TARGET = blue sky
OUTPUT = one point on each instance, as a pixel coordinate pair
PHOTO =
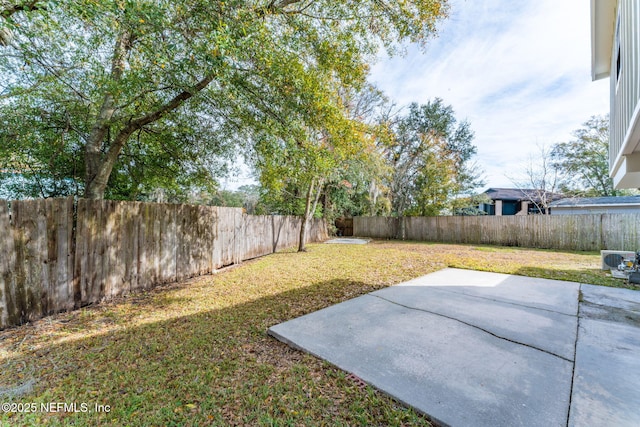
(518, 71)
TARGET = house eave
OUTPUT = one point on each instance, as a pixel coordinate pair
(626, 166)
(628, 174)
(603, 21)
(627, 205)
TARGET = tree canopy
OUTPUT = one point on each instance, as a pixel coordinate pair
(416, 161)
(583, 162)
(116, 97)
(430, 155)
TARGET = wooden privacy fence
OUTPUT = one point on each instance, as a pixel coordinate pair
(563, 232)
(51, 262)
(36, 259)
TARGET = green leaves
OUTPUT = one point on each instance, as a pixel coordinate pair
(248, 70)
(430, 154)
(583, 162)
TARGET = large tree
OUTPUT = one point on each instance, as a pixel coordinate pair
(296, 161)
(337, 162)
(430, 154)
(583, 161)
(359, 187)
(181, 78)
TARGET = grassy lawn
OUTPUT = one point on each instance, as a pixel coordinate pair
(197, 353)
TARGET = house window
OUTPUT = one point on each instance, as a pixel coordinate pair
(618, 64)
(617, 50)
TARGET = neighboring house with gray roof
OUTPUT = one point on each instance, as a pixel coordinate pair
(516, 201)
(596, 205)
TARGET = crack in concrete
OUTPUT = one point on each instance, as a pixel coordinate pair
(474, 326)
(575, 351)
(501, 301)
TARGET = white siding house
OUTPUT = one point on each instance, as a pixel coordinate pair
(615, 53)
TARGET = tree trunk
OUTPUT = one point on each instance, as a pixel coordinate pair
(305, 218)
(94, 161)
(100, 166)
(309, 210)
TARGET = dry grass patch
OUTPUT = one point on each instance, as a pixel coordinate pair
(197, 353)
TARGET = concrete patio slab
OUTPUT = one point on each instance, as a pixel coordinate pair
(348, 241)
(472, 348)
(553, 295)
(543, 329)
(599, 302)
(606, 385)
(457, 374)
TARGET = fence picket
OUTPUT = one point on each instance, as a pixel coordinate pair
(563, 232)
(48, 265)
(8, 312)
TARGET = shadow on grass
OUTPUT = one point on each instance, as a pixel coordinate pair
(215, 367)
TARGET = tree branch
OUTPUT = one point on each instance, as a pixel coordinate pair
(8, 11)
(102, 173)
(175, 102)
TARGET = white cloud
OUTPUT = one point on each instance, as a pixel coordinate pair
(518, 71)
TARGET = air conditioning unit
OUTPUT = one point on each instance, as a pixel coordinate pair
(611, 259)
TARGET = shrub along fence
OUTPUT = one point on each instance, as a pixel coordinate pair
(563, 232)
(56, 255)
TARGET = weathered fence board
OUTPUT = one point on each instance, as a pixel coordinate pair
(64, 214)
(317, 231)
(168, 260)
(239, 235)
(258, 240)
(226, 236)
(9, 315)
(36, 259)
(564, 232)
(118, 247)
(380, 227)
